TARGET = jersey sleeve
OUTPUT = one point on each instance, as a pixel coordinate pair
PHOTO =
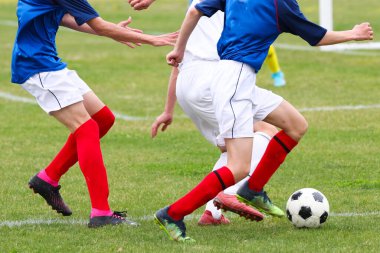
(292, 20)
(81, 10)
(210, 7)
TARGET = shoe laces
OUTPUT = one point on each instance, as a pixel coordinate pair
(181, 225)
(56, 189)
(266, 198)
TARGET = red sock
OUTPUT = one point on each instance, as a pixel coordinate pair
(278, 148)
(67, 156)
(207, 189)
(91, 163)
(105, 119)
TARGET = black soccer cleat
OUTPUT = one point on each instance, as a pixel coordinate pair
(117, 218)
(50, 194)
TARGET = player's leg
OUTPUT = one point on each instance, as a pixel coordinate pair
(212, 214)
(263, 134)
(227, 200)
(232, 92)
(67, 156)
(197, 104)
(59, 95)
(170, 218)
(274, 66)
(294, 126)
(85, 130)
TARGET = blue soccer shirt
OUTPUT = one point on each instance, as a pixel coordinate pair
(251, 26)
(34, 49)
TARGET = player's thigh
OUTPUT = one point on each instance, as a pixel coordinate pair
(92, 103)
(286, 117)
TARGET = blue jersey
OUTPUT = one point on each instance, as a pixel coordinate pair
(251, 26)
(34, 49)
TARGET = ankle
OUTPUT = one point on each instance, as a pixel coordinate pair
(43, 176)
(96, 212)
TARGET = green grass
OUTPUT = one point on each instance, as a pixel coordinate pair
(339, 154)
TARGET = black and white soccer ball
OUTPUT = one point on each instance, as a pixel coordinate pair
(308, 208)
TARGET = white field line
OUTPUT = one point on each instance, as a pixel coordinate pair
(38, 222)
(11, 97)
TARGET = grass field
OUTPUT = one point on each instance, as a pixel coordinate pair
(339, 155)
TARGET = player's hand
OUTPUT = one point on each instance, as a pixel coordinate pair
(363, 31)
(139, 5)
(165, 118)
(167, 39)
(174, 58)
(124, 24)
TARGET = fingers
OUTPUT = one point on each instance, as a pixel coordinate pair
(125, 23)
(139, 4)
(172, 62)
(367, 30)
(130, 44)
(154, 128)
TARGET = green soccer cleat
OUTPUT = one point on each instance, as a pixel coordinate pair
(176, 230)
(259, 200)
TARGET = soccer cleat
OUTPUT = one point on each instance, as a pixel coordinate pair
(259, 200)
(50, 194)
(207, 219)
(116, 218)
(278, 79)
(231, 203)
(176, 230)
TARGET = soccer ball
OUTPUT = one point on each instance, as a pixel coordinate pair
(308, 208)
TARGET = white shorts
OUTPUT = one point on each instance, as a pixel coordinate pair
(237, 101)
(56, 89)
(195, 98)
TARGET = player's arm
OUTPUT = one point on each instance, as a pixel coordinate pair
(192, 17)
(166, 118)
(107, 29)
(140, 4)
(69, 22)
(194, 13)
(359, 32)
(292, 20)
(84, 14)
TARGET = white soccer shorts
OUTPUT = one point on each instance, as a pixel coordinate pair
(237, 101)
(55, 90)
(195, 98)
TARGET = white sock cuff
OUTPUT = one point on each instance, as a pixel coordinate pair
(265, 135)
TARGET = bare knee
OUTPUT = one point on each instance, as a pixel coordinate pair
(298, 130)
(264, 127)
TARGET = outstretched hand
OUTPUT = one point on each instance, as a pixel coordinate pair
(165, 118)
(363, 31)
(124, 24)
(139, 5)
